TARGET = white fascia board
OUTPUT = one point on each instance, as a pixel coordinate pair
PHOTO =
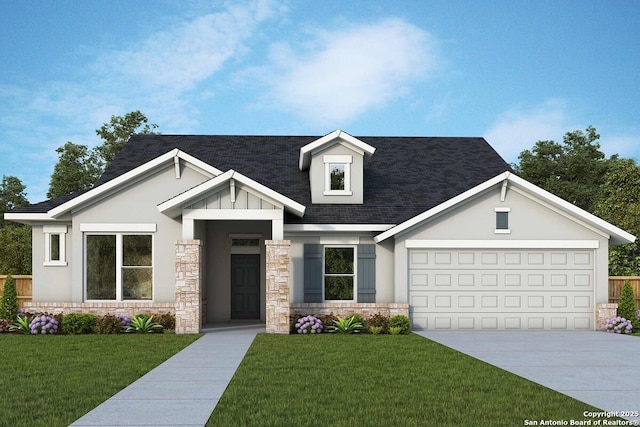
(292, 228)
(619, 234)
(30, 218)
(130, 176)
(305, 151)
(502, 244)
(441, 207)
(118, 228)
(200, 190)
(233, 214)
(192, 194)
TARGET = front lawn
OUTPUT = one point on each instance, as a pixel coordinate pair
(379, 380)
(52, 380)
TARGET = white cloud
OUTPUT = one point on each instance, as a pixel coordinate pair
(518, 129)
(344, 72)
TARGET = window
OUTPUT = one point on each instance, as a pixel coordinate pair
(337, 170)
(339, 273)
(502, 220)
(119, 266)
(55, 245)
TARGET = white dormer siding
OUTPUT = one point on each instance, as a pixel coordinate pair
(336, 168)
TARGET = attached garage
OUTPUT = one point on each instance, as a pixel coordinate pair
(502, 288)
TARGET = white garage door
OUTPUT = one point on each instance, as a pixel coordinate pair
(501, 289)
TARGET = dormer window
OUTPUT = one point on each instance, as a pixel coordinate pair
(337, 173)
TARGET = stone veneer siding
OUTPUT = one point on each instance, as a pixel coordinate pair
(277, 275)
(188, 282)
(605, 312)
(344, 309)
(128, 309)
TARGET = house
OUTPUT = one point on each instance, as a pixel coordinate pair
(219, 228)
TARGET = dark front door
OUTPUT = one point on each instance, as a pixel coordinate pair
(245, 286)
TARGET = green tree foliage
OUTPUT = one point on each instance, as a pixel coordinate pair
(9, 301)
(627, 307)
(620, 205)
(77, 169)
(573, 170)
(15, 250)
(117, 132)
(15, 239)
(12, 196)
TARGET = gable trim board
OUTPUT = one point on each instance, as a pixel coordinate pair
(327, 140)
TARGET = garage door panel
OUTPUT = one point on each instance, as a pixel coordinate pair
(501, 289)
(505, 302)
(530, 259)
(500, 321)
(502, 279)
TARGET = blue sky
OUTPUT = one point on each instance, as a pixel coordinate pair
(512, 71)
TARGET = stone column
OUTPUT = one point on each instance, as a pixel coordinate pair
(188, 281)
(277, 276)
(604, 312)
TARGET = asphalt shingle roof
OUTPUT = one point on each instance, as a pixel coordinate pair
(405, 177)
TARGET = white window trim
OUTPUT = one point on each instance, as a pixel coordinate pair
(60, 230)
(110, 228)
(119, 263)
(346, 160)
(355, 274)
(503, 230)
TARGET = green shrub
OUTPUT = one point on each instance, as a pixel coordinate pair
(9, 301)
(79, 323)
(108, 324)
(347, 325)
(358, 318)
(143, 324)
(379, 320)
(400, 321)
(375, 330)
(627, 306)
(395, 330)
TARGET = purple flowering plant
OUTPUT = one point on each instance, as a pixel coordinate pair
(124, 320)
(309, 325)
(618, 325)
(43, 324)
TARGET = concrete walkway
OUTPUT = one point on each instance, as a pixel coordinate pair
(598, 368)
(182, 391)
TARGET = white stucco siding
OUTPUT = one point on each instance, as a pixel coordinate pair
(317, 176)
(469, 231)
(137, 204)
(50, 283)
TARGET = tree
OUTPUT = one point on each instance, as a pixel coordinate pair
(117, 132)
(619, 204)
(627, 307)
(9, 301)
(15, 250)
(77, 169)
(12, 196)
(573, 170)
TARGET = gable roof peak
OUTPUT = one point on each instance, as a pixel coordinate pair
(329, 139)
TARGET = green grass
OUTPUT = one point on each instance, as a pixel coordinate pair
(54, 380)
(379, 380)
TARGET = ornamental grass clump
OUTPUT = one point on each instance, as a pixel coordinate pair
(309, 325)
(619, 325)
(43, 324)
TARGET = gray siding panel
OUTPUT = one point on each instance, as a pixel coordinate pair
(312, 272)
(366, 273)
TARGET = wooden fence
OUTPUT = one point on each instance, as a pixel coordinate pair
(23, 288)
(617, 282)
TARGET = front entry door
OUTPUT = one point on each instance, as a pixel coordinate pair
(245, 286)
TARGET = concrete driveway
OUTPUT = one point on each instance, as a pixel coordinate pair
(598, 368)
